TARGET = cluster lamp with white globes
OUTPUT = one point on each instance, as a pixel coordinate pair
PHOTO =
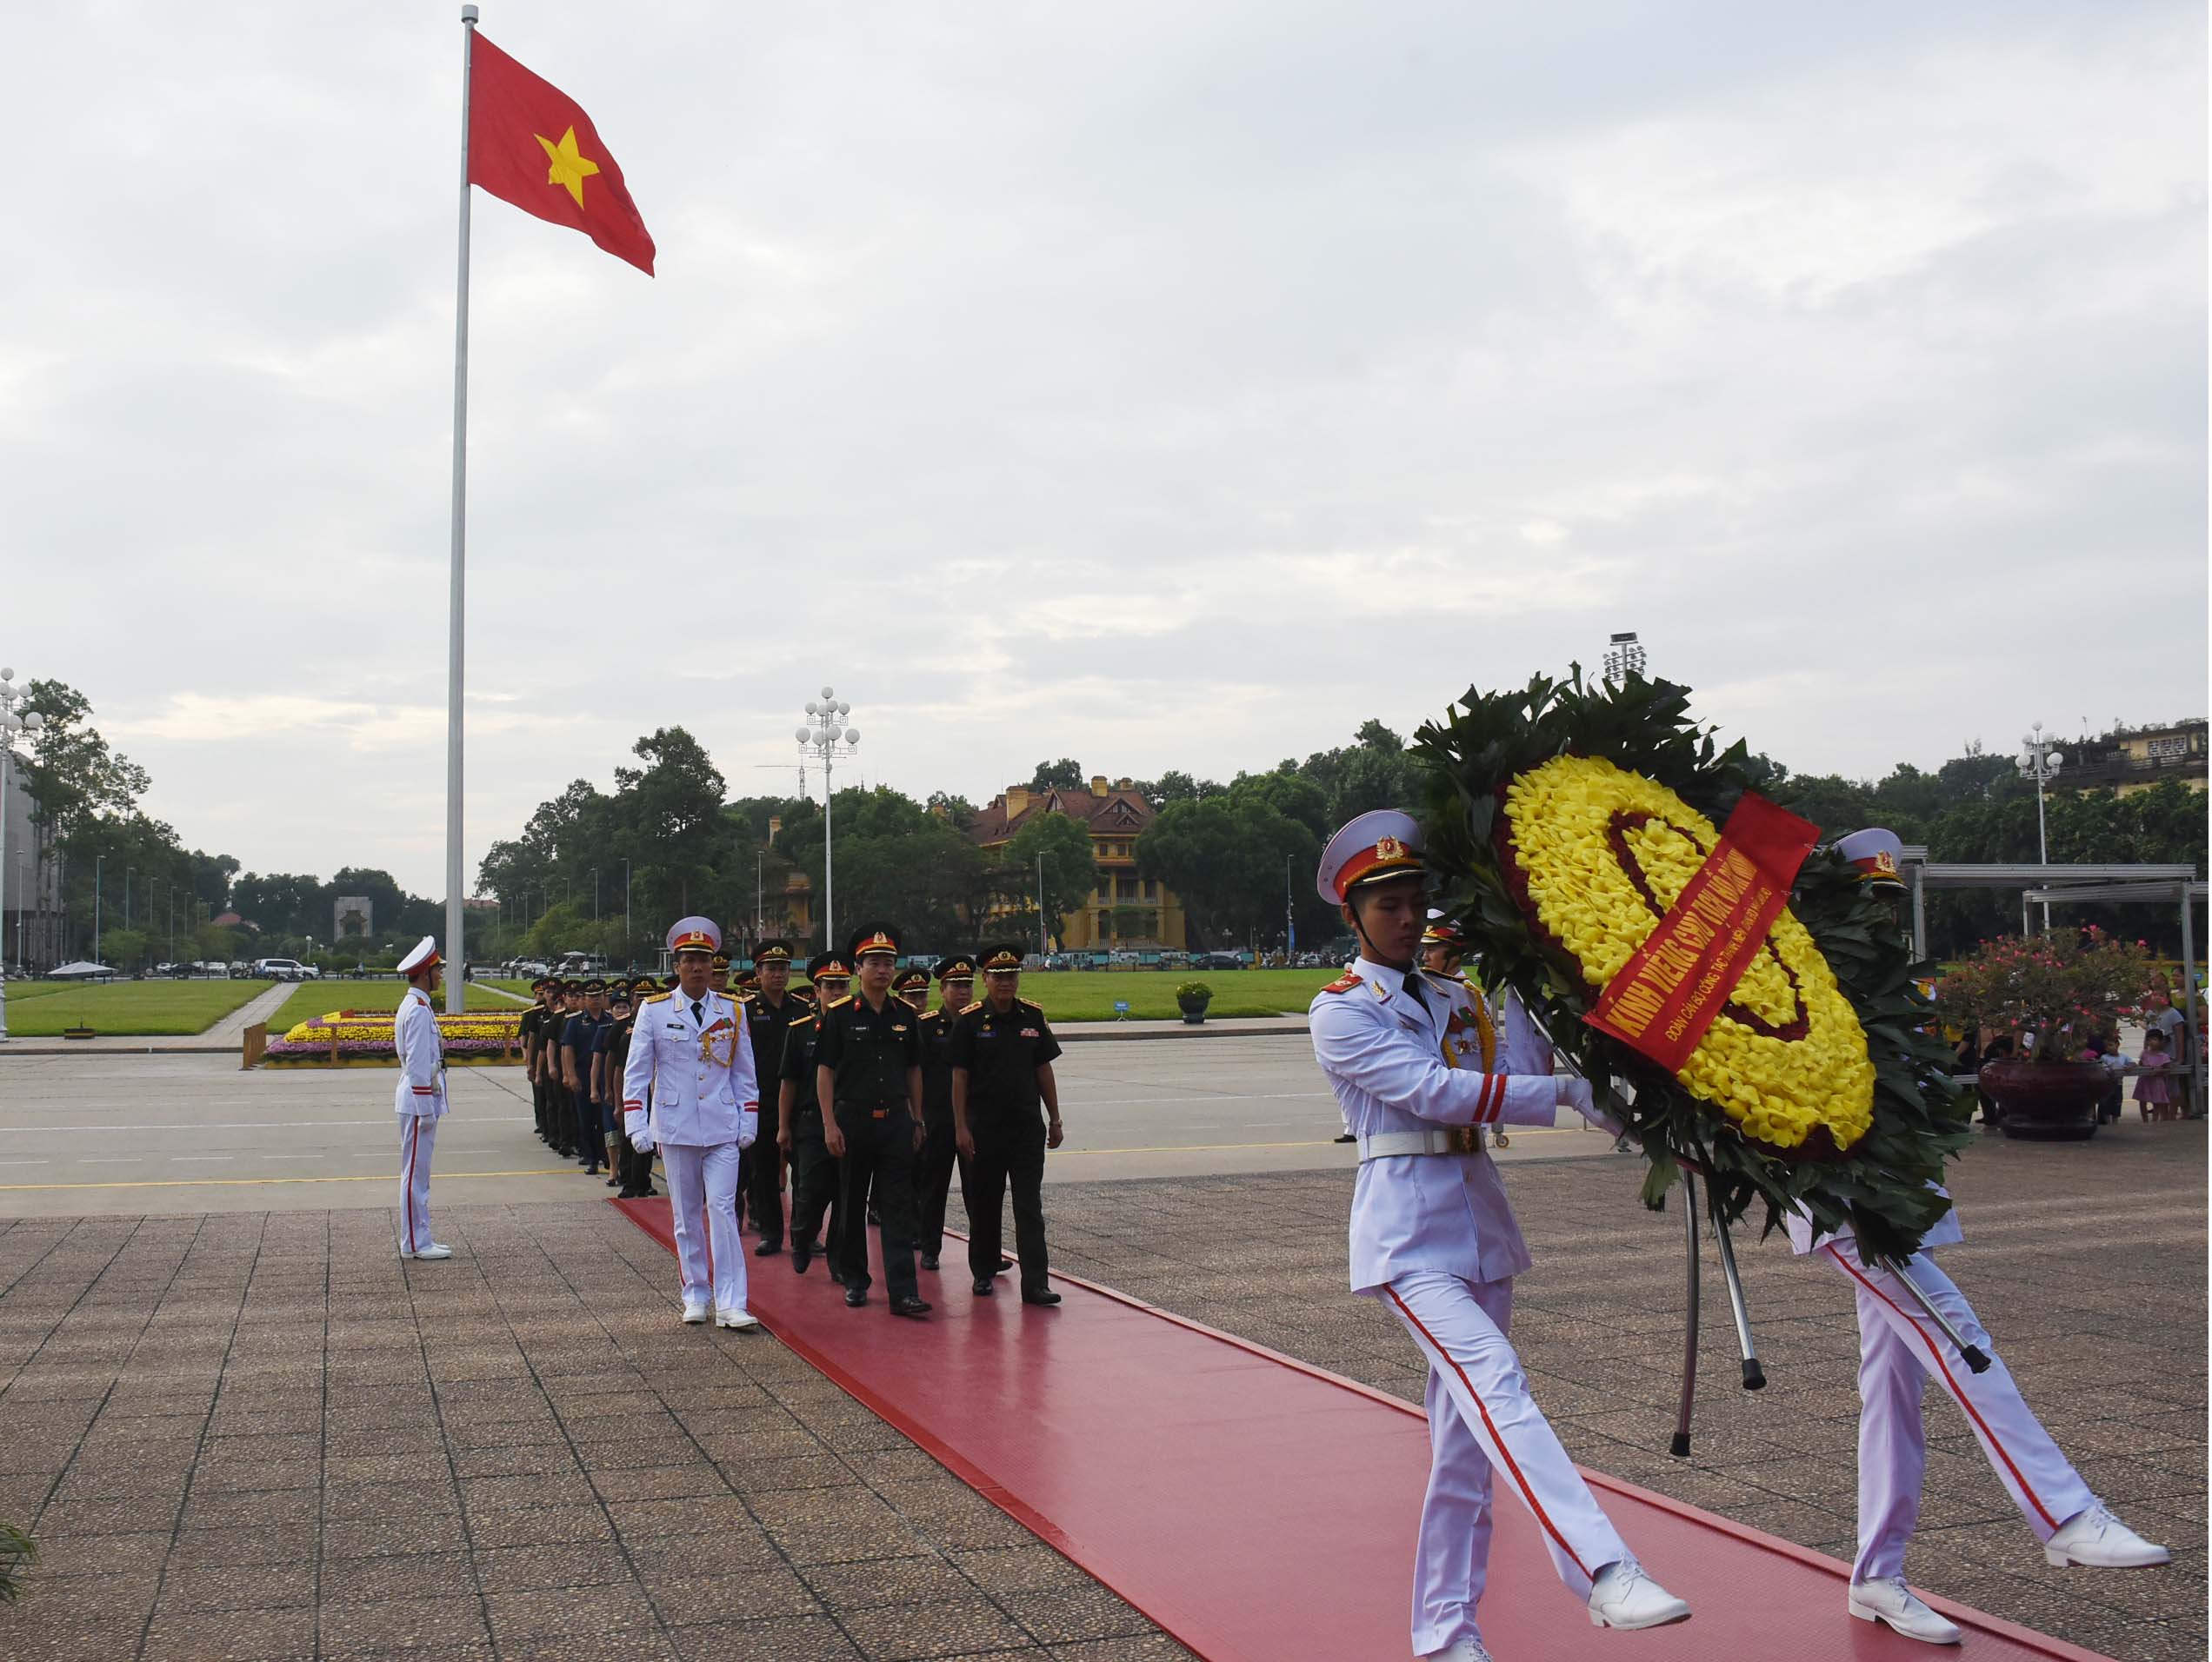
(822, 737)
(2039, 759)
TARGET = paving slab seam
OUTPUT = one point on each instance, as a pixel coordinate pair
(199, 1445)
(322, 1438)
(445, 1441)
(53, 1488)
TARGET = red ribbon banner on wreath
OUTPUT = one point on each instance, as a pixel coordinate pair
(1667, 994)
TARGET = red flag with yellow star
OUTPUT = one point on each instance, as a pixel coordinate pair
(531, 144)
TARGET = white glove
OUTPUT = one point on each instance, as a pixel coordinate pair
(641, 1140)
(1576, 1094)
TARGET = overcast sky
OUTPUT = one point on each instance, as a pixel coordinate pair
(1160, 385)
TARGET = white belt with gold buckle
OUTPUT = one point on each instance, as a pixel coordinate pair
(1443, 1140)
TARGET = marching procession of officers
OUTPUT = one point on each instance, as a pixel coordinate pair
(842, 1085)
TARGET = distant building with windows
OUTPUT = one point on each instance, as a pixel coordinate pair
(1126, 909)
(2127, 760)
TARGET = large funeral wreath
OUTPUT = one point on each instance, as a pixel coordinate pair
(1563, 821)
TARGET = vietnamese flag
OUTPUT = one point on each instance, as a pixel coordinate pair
(531, 144)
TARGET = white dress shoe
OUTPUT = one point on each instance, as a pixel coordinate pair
(436, 1249)
(1465, 1648)
(2095, 1536)
(1625, 1597)
(695, 1310)
(1887, 1600)
(741, 1319)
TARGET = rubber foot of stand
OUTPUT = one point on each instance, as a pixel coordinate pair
(1755, 1376)
(1977, 1359)
(1679, 1446)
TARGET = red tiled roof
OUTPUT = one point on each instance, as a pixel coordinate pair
(1115, 811)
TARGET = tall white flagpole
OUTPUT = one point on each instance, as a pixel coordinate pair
(457, 613)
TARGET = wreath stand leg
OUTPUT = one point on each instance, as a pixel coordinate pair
(1976, 1358)
(1679, 1447)
(1755, 1376)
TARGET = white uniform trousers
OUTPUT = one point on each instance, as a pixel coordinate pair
(1480, 1417)
(417, 1137)
(1899, 1347)
(702, 1203)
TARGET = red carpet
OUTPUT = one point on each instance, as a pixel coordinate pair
(1258, 1508)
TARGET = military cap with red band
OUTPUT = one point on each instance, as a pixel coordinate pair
(1878, 854)
(420, 961)
(695, 935)
(1376, 847)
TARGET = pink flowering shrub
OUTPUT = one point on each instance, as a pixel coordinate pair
(2051, 992)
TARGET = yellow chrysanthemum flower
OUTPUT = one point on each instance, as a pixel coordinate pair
(1604, 854)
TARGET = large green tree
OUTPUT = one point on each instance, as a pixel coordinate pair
(1059, 847)
(1234, 860)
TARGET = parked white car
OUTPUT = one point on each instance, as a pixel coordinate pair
(285, 969)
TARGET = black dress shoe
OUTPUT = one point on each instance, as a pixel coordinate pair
(910, 1306)
(875, 1217)
(767, 1249)
(928, 1260)
(1347, 1137)
(856, 1297)
(985, 1286)
(1004, 1265)
(1046, 1297)
(801, 1255)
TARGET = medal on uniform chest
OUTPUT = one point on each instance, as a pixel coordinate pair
(709, 1048)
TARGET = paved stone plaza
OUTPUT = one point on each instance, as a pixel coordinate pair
(250, 1435)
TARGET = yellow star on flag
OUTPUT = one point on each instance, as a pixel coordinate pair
(568, 167)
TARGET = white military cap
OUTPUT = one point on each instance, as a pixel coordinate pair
(695, 935)
(1378, 845)
(1877, 854)
(425, 957)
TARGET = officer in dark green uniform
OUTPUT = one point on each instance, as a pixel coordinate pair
(1002, 1064)
(814, 1173)
(867, 1074)
(770, 1012)
(933, 1166)
(912, 985)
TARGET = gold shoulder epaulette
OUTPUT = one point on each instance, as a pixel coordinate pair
(801, 1020)
(977, 1004)
(836, 1004)
(931, 1015)
(657, 998)
(1344, 983)
(1027, 1005)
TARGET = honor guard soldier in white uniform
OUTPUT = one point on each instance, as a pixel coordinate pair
(690, 1056)
(420, 1097)
(1899, 1348)
(1433, 1237)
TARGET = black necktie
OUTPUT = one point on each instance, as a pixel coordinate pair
(698, 1010)
(1413, 991)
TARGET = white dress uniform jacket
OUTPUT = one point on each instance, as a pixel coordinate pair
(698, 1069)
(422, 1057)
(1384, 1052)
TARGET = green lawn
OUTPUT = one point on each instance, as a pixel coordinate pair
(314, 999)
(42, 1009)
(1088, 995)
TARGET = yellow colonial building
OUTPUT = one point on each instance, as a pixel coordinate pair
(1125, 909)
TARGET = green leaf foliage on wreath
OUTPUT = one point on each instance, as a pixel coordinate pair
(1879, 1188)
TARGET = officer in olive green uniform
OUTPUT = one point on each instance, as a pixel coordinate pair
(933, 1166)
(814, 1173)
(867, 1072)
(770, 1012)
(1002, 1066)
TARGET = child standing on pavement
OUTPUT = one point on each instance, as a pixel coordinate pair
(2154, 1088)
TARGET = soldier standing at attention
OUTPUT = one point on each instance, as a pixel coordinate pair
(419, 1099)
(564, 1104)
(940, 1151)
(814, 1173)
(578, 1036)
(913, 986)
(867, 1083)
(769, 1015)
(529, 1032)
(689, 1053)
(1434, 1238)
(718, 974)
(1002, 1066)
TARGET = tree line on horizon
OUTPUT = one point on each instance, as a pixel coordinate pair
(603, 870)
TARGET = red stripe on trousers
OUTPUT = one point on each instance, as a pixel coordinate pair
(1951, 1379)
(407, 1194)
(1505, 1453)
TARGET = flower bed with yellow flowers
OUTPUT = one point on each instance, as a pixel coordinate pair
(1563, 821)
(364, 1039)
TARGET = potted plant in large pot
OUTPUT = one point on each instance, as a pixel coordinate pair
(1192, 997)
(2049, 995)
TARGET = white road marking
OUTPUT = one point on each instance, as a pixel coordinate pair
(24, 1162)
(126, 1160)
(183, 1158)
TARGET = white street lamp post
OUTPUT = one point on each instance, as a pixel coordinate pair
(2039, 760)
(12, 721)
(819, 737)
